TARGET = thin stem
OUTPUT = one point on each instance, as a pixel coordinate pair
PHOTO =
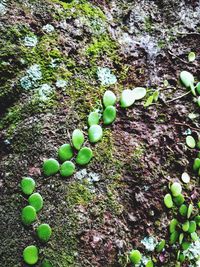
(178, 97)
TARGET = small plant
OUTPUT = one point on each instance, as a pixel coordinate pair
(50, 167)
(191, 57)
(109, 115)
(93, 118)
(109, 98)
(65, 152)
(176, 189)
(127, 98)
(188, 80)
(44, 232)
(190, 141)
(168, 201)
(77, 138)
(67, 168)
(28, 215)
(95, 133)
(36, 201)
(84, 156)
(135, 256)
(160, 246)
(27, 185)
(30, 255)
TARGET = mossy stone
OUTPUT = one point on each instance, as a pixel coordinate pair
(30, 255)
(127, 98)
(109, 98)
(44, 232)
(168, 201)
(84, 156)
(77, 138)
(28, 215)
(93, 118)
(27, 185)
(50, 167)
(135, 256)
(67, 169)
(109, 115)
(95, 133)
(65, 152)
(36, 201)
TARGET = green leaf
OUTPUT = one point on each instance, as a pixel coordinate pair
(109, 98)
(50, 167)
(149, 101)
(173, 237)
(44, 232)
(191, 56)
(185, 245)
(36, 201)
(27, 185)
(160, 246)
(181, 236)
(194, 236)
(189, 211)
(172, 225)
(77, 138)
(190, 141)
(46, 263)
(30, 255)
(139, 93)
(95, 133)
(187, 78)
(127, 98)
(93, 118)
(84, 156)
(155, 96)
(135, 256)
(176, 189)
(65, 152)
(196, 165)
(28, 215)
(198, 88)
(149, 264)
(168, 201)
(185, 226)
(179, 200)
(67, 169)
(198, 101)
(109, 115)
(192, 227)
(183, 210)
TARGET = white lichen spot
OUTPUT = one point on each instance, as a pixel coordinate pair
(105, 76)
(3, 8)
(143, 261)
(61, 83)
(48, 28)
(33, 75)
(30, 41)
(90, 176)
(193, 252)
(44, 92)
(149, 243)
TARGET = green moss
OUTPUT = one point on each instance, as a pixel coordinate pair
(78, 194)
(148, 24)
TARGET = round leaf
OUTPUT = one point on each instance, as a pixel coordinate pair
(185, 226)
(185, 177)
(173, 237)
(135, 256)
(36, 201)
(179, 200)
(196, 165)
(192, 227)
(172, 225)
(67, 168)
(191, 56)
(27, 185)
(44, 232)
(95, 133)
(168, 201)
(183, 210)
(30, 255)
(176, 189)
(65, 152)
(109, 115)
(139, 93)
(84, 156)
(28, 215)
(77, 138)
(190, 141)
(109, 98)
(50, 167)
(127, 98)
(93, 118)
(194, 236)
(185, 245)
(187, 78)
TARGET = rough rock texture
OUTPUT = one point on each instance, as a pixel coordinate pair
(50, 51)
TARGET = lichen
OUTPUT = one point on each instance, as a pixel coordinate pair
(105, 76)
(149, 243)
(48, 28)
(33, 75)
(30, 41)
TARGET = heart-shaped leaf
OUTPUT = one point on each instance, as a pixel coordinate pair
(127, 98)
(109, 98)
(109, 115)
(95, 133)
(139, 93)
(93, 118)
(30, 255)
(77, 138)
(84, 156)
